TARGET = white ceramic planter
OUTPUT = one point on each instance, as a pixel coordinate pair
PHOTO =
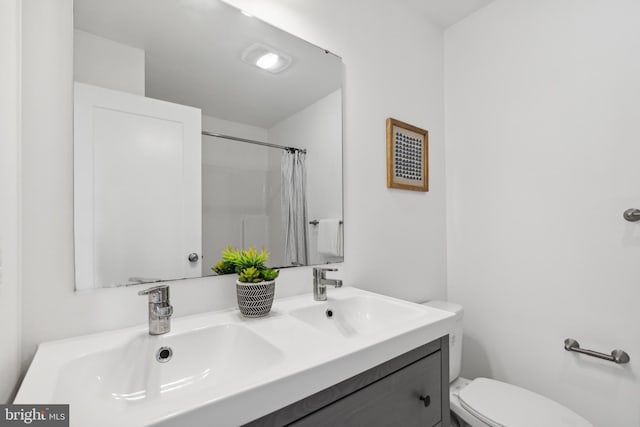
(255, 299)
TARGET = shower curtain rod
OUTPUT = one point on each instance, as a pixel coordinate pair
(252, 141)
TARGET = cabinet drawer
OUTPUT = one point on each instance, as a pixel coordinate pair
(391, 401)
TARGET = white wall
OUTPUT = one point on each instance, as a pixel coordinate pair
(105, 63)
(318, 129)
(9, 196)
(395, 243)
(542, 159)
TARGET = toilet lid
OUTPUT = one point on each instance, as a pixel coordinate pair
(500, 404)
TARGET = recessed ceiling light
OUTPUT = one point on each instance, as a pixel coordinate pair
(266, 57)
(245, 13)
(268, 61)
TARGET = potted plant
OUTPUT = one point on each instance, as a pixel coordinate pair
(256, 283)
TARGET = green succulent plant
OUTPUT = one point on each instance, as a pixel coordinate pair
(249, 264)
(250, 275)
(270, 273)
(224, 267)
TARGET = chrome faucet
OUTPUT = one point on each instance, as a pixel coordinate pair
(320, 283)
(160, 310)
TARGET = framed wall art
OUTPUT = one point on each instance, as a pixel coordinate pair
(407, 156)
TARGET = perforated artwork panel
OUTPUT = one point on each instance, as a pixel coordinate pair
(406, 156)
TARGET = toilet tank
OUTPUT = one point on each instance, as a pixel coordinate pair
(455, 337)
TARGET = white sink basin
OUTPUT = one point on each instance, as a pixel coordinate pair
(357, 315)
(129, 374)
(226, 370)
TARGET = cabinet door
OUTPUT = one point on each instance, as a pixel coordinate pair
(137, 188)
(393, 401)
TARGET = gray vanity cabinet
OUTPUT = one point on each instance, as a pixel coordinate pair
(409, 390)
(391, 401)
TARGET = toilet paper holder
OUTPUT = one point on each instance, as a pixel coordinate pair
(617, 355)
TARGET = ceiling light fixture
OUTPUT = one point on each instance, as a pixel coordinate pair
(268, 61)
(266, 58)
(245, 13)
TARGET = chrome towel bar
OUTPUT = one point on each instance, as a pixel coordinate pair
(316, 222)
(617, 356)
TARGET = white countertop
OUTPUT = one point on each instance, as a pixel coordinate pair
(293, 360)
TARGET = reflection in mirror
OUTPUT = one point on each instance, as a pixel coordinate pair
(197, 127)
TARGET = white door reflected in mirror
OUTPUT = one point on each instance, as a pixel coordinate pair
(137, 186)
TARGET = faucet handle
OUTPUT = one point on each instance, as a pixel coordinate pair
(321, 269)
(157, 294)
(320, 272)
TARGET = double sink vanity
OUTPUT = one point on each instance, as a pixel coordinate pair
(357, 356)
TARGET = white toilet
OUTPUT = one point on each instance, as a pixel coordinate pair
(485, 402)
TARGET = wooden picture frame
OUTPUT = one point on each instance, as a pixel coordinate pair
(407, 156)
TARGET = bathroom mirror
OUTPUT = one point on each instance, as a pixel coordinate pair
(196, 127)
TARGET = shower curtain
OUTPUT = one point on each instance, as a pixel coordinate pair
(294, 207)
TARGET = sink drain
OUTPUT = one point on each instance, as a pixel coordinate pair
(329, 313)
(163, 355)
